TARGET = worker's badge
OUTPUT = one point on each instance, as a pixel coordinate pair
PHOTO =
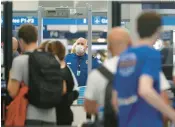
(78, 73)
(86, 61)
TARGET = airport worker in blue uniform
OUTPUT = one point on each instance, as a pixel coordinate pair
(78, 61)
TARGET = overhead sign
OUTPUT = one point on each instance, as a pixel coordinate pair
(59, 21)
(160, 5)
(96, 20)
(23, 20)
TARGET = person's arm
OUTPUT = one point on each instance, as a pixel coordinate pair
(164, 86)
(90, 104)
(114, 100)
(148, 93)
(15, 78)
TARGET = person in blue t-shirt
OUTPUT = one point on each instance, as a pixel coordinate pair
(137, 83)
(78, 61)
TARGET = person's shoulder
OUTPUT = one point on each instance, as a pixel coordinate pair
(21, 58)
(112, 62)
(146, 51)
(70, 55)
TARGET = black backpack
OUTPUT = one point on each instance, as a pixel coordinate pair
(110, 116)
(45, 80)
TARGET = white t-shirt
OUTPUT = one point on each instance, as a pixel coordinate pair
(96, 82)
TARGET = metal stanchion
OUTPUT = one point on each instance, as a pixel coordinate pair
(89, 8)
(40, 25)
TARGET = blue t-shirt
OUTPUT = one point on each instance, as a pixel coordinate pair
(133, 110)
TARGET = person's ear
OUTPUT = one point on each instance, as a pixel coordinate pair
(86, 46)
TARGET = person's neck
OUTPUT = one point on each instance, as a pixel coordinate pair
(118, 50)
(146, 41)
(14, 50)
(115, 54)
(30, 47)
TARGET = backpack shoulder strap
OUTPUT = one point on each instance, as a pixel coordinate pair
(105, 72)
(169, 58)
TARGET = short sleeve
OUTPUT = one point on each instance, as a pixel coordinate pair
(91, 90)
(17, 69)
(152, 66)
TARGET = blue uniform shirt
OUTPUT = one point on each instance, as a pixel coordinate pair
(79, 66)
(133, 110)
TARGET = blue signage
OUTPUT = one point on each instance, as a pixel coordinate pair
(170, 5)
(96, 20)
(23, 20)
(168, 20)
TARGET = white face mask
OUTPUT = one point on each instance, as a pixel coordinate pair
(79, 50)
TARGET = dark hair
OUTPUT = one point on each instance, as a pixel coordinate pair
(55, 47)
(148, 23)
(28, 33)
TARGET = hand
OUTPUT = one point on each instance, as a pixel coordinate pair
(173, 120)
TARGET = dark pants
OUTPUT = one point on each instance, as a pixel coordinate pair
(38, 123)
(64, 116)
(88, 116)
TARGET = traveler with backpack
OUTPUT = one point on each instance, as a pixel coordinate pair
(95, 91)
(39, 71)
(63, 109)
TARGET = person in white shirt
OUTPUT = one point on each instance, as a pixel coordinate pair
(118, 40)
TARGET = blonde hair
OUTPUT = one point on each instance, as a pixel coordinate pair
(73, 48)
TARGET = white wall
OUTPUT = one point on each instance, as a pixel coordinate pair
(135, 10)
(125, 11)
(25, 5)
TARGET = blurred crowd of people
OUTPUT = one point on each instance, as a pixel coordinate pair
(137, 81)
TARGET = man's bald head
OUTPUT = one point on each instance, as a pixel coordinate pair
(15, 44)
(81, 40)
(118, 40)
